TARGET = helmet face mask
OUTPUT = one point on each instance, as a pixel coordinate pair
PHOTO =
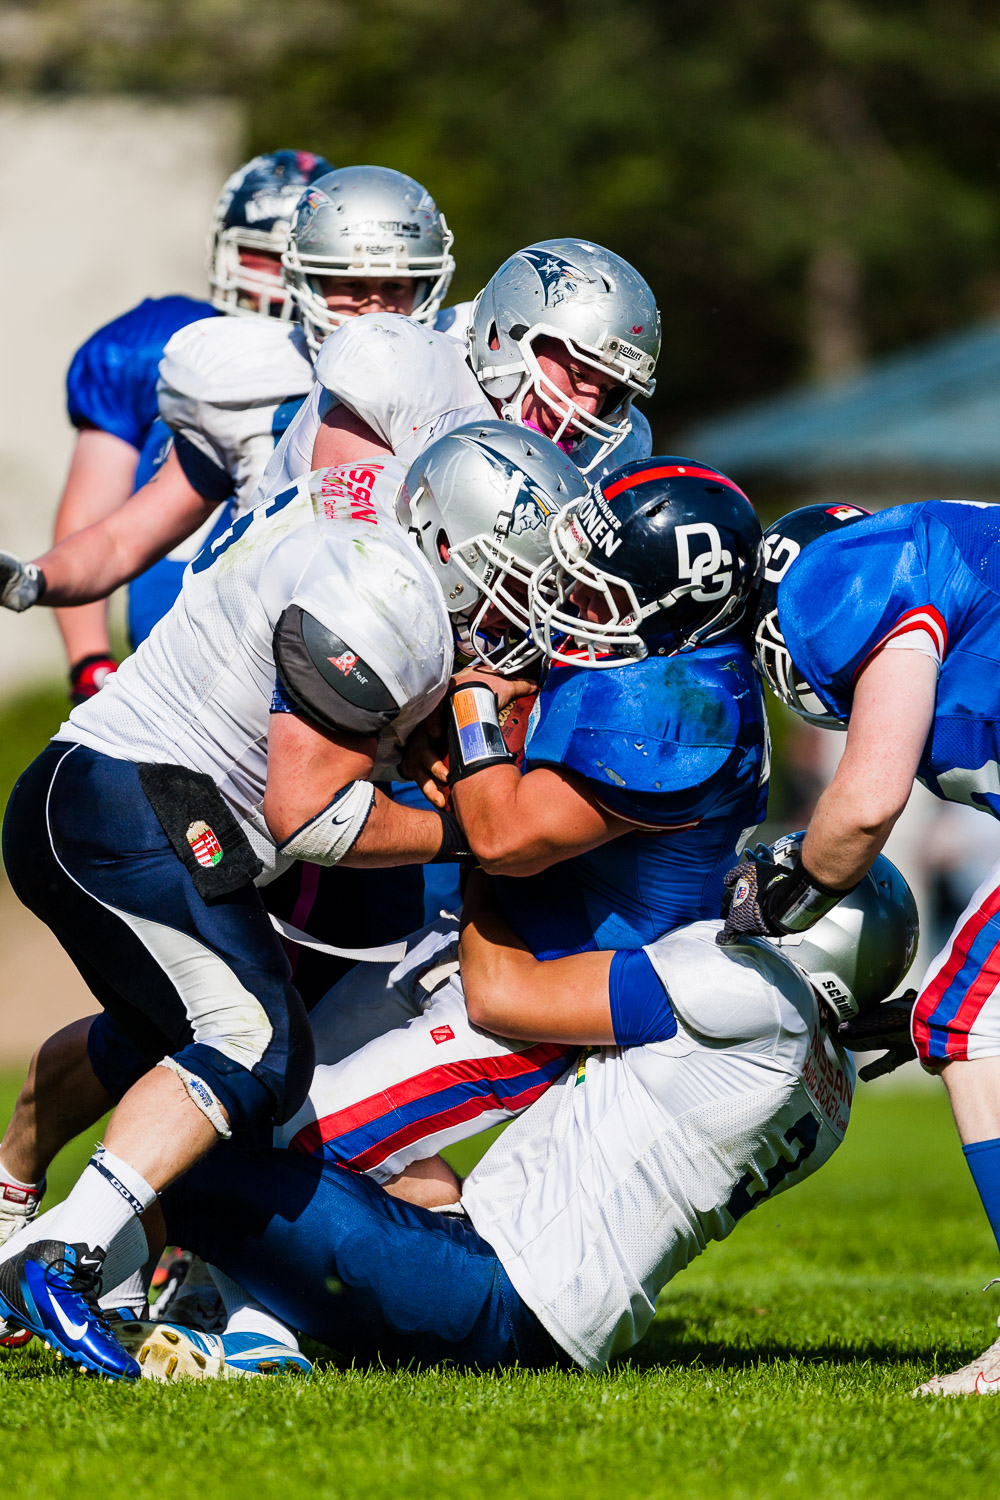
(366, 224)
(593, 304)
(253, 213)
(478, 504)
(670, 549)
(857, 954)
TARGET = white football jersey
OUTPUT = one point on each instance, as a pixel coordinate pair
(198, 691)
(411, 385)
(229, 387)
(624, 1170)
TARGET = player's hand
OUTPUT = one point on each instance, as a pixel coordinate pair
(88, 676)
(743, 901)
(885, 1029)
(424, 760)
(507, 689)
(21, 584)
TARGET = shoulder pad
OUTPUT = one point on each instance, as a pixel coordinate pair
(661, 725)
(235, 362)
(398, 376)
(328, 681)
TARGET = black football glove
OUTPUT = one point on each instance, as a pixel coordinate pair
(886, 1027)
(765, 899)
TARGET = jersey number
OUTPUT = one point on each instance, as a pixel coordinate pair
(710, 572)
(799, 1144)
(208, 555)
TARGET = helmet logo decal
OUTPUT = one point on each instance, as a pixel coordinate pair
(779, 554)
(637, 328)
(532, 512)
(560, 278)
(712, 567)
(599, 523)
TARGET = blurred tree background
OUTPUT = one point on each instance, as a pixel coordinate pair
(804, 182)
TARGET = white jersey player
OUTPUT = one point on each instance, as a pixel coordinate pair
(561, 339)
(607, 1187)
(245, 731)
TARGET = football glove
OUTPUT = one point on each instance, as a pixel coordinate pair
(88, 676)
(766, 899)
(21, 584)
(886, 1027)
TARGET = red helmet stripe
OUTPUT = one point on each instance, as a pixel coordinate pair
(668, 471)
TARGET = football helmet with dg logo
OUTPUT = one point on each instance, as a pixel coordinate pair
(367, 223)
(478, 504)
(663, 555)
(593, 303)
(253, 213)
(782, 544)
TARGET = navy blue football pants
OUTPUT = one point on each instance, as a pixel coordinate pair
(336, 1257)
(208, 983)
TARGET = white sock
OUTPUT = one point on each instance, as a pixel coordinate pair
(130, 1293)
(44, 1227)
(126, 1259)
(244, 1314)
(108, 1195)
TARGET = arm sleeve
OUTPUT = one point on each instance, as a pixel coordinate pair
(640, 1006)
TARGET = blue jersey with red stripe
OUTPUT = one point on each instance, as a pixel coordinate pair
(678, 746)
(928, 573)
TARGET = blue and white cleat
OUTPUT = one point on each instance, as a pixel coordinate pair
(255, 1354)
(169, 1352)
(51, 1289)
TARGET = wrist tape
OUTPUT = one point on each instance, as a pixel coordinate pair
(454, 845)
(797, 901)
(475, 739)
(332, 833)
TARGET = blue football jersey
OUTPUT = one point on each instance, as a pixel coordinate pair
(111, 381)
(675, 744)
(932, 570)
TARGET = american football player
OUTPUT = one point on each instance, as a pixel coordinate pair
(111, 387)
(595, 1198)
(138, 833)
(889, 626)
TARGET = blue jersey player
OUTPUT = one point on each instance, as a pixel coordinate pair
(890, 625)
(112, 399)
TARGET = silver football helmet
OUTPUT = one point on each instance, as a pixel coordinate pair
(367, 222)
(857, 954)
(478, 504)
(592, 302)
(254, 212)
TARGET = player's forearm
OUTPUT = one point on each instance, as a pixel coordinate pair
(84, 631)
(848, 829)
(396, 835)
(91, 564)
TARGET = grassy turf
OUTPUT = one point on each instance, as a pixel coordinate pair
(780, 1364)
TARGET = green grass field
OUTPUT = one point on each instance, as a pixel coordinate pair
(780, 1364)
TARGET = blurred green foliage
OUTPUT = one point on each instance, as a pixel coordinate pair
(724, 146)
(27, 723)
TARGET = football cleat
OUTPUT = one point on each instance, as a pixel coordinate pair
(980, 1377)
(249, 1354)
(168, 1353)
(51, 1289)
(14, 1338)
(18, 1206)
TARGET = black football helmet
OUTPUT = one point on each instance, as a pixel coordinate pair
(672, 548)
(782, 544)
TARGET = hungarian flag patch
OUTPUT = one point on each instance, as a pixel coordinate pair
(204, 845)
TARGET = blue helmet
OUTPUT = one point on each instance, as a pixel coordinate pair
(254, 213)
(671, 552)
(782, 544)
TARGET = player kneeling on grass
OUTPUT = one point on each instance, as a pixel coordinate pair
(601, 1192)
(889, 625)
(246, 732)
